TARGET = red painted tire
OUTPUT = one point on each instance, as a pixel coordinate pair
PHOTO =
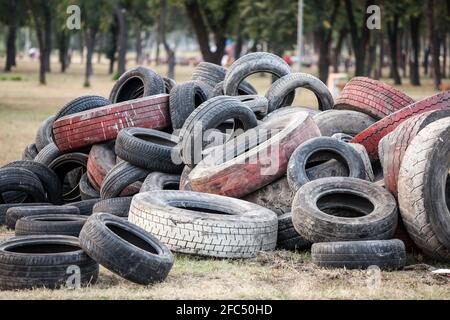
(371, 137)
(371, 97)
(265, 161)
(102, 124)
(394, 145)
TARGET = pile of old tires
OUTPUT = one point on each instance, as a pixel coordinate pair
(209, 167)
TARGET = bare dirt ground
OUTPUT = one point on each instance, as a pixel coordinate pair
(24, 104)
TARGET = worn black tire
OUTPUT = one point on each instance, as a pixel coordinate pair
(5, 207)
(386, 254)
(21, 180)
(254, 63)
(297, 174)
(126, 249)
(47, 176)
(342, 121)
(355, 210)
(258, 104)
(288, 238)
(30, 152)
(49, 153)
(149, 149)
(136, 83)
(245, 88)
(287, 84)
(184, 98)
(44, 134)
(48, 268)
(423, 189)
(121, 176)
(115, 206)
(81, 104)
(66, 225)
(205, 224)
(169, 84)
(208, 116)
(86, 190)
(85, 206)
(65, 164)
(160, 181)
(15, 213)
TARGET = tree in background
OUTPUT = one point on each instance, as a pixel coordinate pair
(12, 15)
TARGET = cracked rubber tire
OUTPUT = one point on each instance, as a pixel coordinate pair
(288, 237)
(205, 224)
(386, 254)
(115, 206)
(120, 177)
(344, 209)
(126, 249)
(67, 225)
(45, 264)
(49, 153)
(349, 122)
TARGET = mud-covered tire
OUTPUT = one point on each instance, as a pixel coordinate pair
(66, 225)
(44, 134)
(349, 122)
(297, 174)
(191, 222)
(371, 137)
(102, 124)
(355, 210)
(21, 180)
(49, 153)
(15, 213)
(394, 145)
(373, 97)
(423, 188)
(148, 149)
(119, 178)
(85, 206)
(125, 249)
(236, 174)
(184, 98)
(137, 83)
(287, 84)
(46, 269)
(288, 238)
(160, 181)
(209, 116)
(115, 206)
(87, 191)
(385, 254)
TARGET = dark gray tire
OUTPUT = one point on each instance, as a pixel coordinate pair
(115, 206)
(44, 134)
(344, 209)
(245, 88)
(287, 84)
(46, 262)
(205, 224)
(121, 176)
(5, 207)
(81, 104)
(136, 83)
(386, 254)
(126, 249)
(169, 84)
(258, 104)
(49, 153)
(297, 174)
(66, 225)
(160, 181)
(85, 206)
(149, 149)
(184, 98)
(210, 115)
(47, 176)
(21, 180)
(15, 213)
(288, 238)
(86, 190)
(343, 121)
(30, 152)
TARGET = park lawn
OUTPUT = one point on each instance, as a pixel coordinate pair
(24, 104)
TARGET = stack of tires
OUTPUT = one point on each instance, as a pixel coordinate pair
(209, 167)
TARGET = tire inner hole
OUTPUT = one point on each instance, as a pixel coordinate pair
(200, 207)
(43, 248)
(447, 191)
(171, 186)
(345, 205)
(131, 89)
(132, 238)
(156, 140)
(330, 164)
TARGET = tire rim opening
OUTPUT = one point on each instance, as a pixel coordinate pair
(201, 208)
(345, 205)
(130, 89)
(131, 238)
(340, 166)
(156, 140)
(41, 248)
(447, 191)
(171, 186)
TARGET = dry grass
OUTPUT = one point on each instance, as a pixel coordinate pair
(275, 275)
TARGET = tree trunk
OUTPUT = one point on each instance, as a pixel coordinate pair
(138, 32)
(90, 46)
(238, 45)
(392, 28)
(444, 60)
(414, 71)
(111, 53)
(371, 58)
(122, 43)
(63, 48)
(36, 15)
(337, 50)
(11, 44)
(434, 45)
(170, 53)
(47, 37)
(379, 70)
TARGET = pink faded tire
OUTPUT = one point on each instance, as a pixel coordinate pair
(102, 124)
(236, 174)
(372, 97)
(394, 145)
(371, 137)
